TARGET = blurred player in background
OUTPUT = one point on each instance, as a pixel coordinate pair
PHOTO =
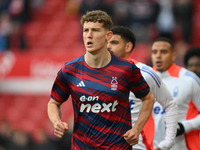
(122, 44)
(192, 63)
(184, 85)
(192, 60)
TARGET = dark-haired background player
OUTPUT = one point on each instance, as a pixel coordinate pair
(122, 44)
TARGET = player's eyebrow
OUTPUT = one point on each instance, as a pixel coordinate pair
(114, 41)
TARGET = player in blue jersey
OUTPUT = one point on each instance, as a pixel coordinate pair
(99, 84)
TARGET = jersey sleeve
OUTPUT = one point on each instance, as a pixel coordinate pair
(60, 90)
(137, 83)
(193, 124)
(164, 97)
(196, 91)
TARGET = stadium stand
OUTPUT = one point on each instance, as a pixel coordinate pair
(29, 112)
(52, 31)
(196, 27)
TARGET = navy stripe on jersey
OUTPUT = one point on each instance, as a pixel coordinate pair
(152, 74)
(193, 76)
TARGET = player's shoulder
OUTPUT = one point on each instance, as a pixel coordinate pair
(121, 62)
(146, 69)
(120, 59)
(76, 60)
(148, 73)
(142, 65)
(189, 76)
(70, 65)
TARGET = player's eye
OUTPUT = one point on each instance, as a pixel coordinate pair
(85, 30)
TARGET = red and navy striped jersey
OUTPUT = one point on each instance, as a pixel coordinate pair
(100, 101)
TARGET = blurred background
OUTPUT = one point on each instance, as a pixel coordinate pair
(38, 36)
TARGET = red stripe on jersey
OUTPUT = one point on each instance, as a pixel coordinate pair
(192, 138)
(148, 133)
(174, 70)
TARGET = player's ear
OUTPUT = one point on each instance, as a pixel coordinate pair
(109, 35)
(174, 56)
(128, 47)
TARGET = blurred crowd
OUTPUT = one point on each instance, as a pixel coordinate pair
(148, 19)
(15, 139)
(14, 14)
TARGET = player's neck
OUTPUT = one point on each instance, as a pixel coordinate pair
(98, 60)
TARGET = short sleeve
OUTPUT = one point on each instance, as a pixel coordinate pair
(60, 90)
(137, 83)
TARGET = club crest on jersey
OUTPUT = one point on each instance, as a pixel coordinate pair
(114, 83)
(175, 92)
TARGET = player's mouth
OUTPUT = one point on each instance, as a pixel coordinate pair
(158, 63)
(89, 44)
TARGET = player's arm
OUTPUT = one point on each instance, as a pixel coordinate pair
(164, 97)
(132, 135)
(54, 114)
(59, 93)
(193, 124)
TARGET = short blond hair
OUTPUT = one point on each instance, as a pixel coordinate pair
(97, 16)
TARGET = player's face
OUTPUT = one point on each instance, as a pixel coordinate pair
(117, 45)
(162, 55)
(194, 65)
(95, 36)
